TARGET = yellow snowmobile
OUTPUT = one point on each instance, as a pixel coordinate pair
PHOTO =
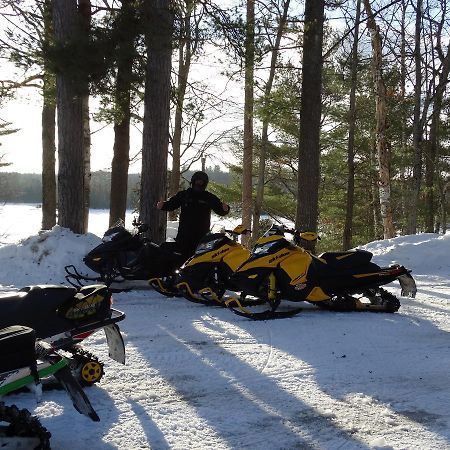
(341, 281)
(204, 277)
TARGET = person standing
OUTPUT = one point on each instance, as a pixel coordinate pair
(196, 204)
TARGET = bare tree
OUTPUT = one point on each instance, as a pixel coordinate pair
(188, 42)
(265, 125)
(384, 181)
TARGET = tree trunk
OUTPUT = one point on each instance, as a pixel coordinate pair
(70, 126)
(159, 23)
(48, 157)
(384, 181)
(265, 136)
(433, 147)
(247, 162)
(84, 8)
(121, 150)
(417, 125)
(405, 198)
(184, 65)
(348, 227)
(377, 224)
(310, 115)
(48, 132)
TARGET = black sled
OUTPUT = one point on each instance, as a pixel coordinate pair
(127, 260)
(64, 316)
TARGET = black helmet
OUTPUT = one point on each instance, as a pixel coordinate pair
(199, 180)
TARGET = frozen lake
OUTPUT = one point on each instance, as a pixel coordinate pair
(19, 220)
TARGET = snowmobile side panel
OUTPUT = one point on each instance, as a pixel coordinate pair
(317, 295)
(115, 342)
(79, 398)
(236, 257)
(18, 378)
(296, 267)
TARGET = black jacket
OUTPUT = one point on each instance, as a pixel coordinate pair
(195, 215)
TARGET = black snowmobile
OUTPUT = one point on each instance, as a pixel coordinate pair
(278, 269)
(127, 260)
(64, 316)
(24, 362)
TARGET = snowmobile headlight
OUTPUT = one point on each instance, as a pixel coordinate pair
(206, 246)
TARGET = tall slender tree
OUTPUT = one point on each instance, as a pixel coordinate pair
(282, 20)
(383, 152)
(310, 118)
(348, 227)
(159, 26)
(187, 45)
(247, 188)
(48, 128)
(69, 96)
(434, 141)
(84, 9)
(417, 123)
(127, 29)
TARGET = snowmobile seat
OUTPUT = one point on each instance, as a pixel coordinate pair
(17, 347)
(347, 260)
(35, 306)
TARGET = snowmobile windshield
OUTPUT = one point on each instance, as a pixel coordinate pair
(114, 234)
(210, 242)
(268, 248)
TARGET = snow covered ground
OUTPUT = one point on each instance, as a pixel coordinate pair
(203, 378)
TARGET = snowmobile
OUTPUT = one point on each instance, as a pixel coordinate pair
(64, 316)
(24, 362)
(278, 269)
(205, 276)
(126, 260)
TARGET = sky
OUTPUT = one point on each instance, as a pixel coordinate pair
(200, 377)
(23, 149)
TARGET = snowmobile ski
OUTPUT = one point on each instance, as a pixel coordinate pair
(236, 305)
(79, 398)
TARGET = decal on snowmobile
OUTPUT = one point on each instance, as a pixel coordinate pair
(86, 307)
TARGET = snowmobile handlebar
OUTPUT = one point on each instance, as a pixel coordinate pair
(141, 227)
(239, 230)
(305, 235)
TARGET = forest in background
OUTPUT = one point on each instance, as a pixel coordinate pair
(343, 108)
(27, 187)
